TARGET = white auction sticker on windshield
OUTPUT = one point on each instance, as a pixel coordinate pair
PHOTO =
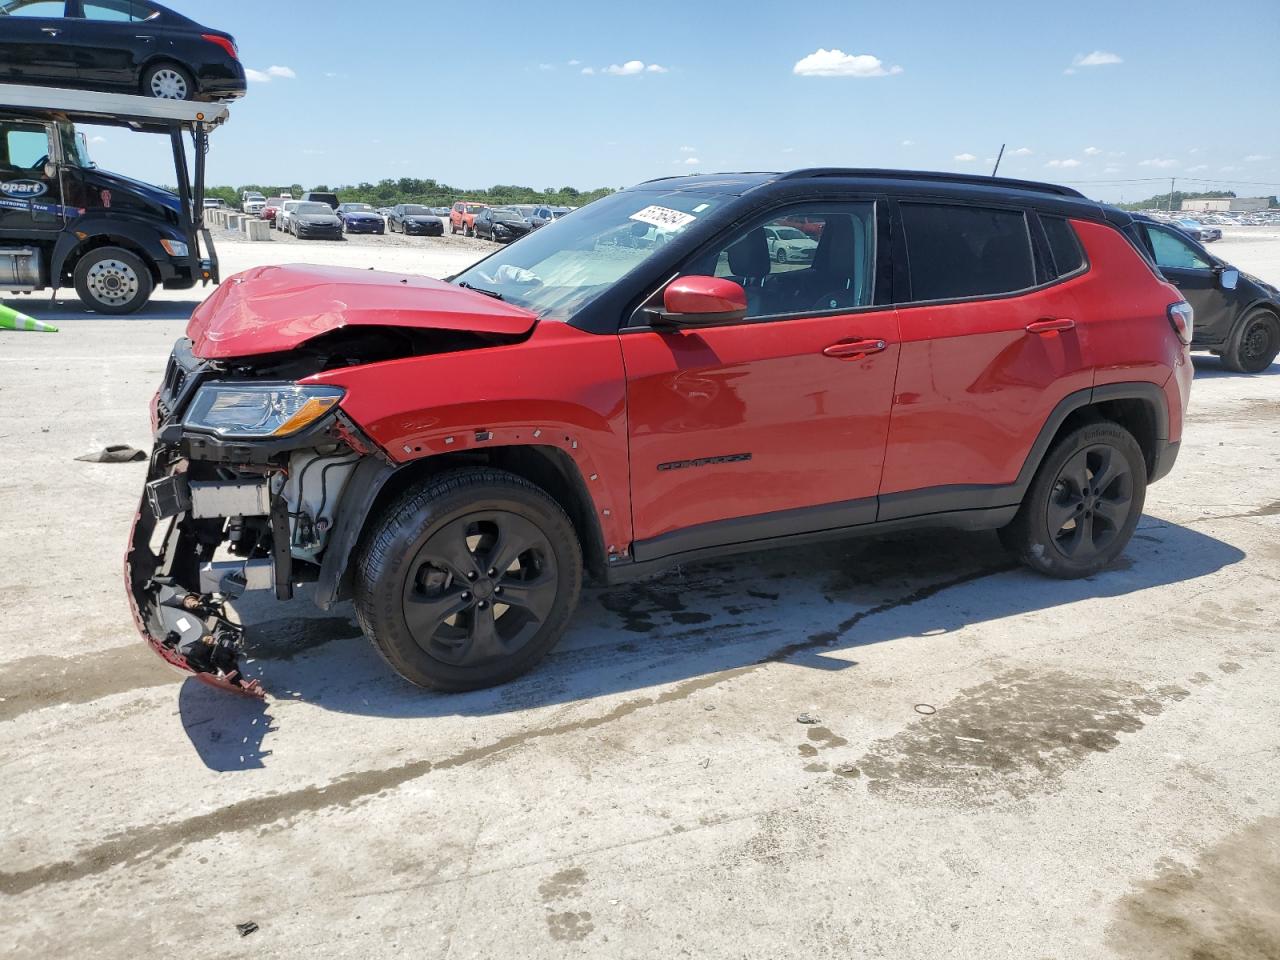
(664, 217)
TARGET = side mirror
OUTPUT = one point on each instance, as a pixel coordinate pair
(50, 170)
(703, 301)
(1228, 277)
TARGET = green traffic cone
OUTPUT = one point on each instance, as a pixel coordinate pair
(13, 320)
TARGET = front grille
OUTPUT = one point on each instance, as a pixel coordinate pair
(181, 377)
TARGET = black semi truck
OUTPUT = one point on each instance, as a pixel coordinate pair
(64, 222)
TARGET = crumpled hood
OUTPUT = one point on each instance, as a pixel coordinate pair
(274, 308)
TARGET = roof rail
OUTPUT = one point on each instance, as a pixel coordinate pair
(930, 176)
(112, 109)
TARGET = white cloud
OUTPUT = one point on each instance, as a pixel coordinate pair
(1064, 164)
(574, 63)
(788, 149)
(629, 69)
(964, 157)
(1158, 162)
(545, 66)
(1099, 58)
(1022, 152)
(264, 76)
(691, 161)
(1112, 169)
(1228, 169)
(837, 63)
(687, 149)
(98, 139)
(1068, 71)
(1197, 168)
(1091, 151)
(1256, 157)
(588, 71)
(908, 143)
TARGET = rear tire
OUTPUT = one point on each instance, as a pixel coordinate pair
(428, 587)
(112, 280)
(168, 81)
(1083, 504)
(1254, 343)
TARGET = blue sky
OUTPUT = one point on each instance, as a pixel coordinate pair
(474, 94)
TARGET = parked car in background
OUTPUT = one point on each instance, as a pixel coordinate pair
(441, 212)
(414, 218)
(1237, 316)
(322, 197)
(500, 224)
(1197, 230)
(462, 217)
(789, 245)
(1025, 371)
(252, 202)
(313, 220)
(123, 46)
(284, 213)
(214, 203)
(360, 218)
(272, 208)
(543, 215)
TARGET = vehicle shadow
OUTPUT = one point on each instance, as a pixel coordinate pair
(807, 606)
(65, 310)
(1211, 368)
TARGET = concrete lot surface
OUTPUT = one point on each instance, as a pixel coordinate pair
(1000, 765)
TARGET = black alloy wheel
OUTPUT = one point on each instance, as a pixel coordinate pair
(1083, 504)
(1255, 343)
(468, 581)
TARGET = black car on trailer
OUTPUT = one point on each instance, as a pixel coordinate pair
(123, 46)
(65, 222)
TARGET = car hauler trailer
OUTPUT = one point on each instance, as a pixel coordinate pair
(64, 222)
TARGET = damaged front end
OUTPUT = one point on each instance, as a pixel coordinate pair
(246, 482)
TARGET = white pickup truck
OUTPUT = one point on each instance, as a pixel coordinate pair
(252, 202)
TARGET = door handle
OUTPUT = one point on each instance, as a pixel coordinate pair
(853, 349)
(1050, 325)
(51, 31)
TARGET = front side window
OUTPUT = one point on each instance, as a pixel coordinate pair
(33, 8)
(557, 270)
(803, 260)
(958, 251)
(23, 146)
(1171, 250)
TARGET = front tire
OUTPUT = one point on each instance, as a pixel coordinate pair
(112, 280)
(469, 581)
(781, 255)
(1083, 504)
(1254, 343)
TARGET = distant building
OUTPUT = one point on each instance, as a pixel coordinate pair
(1228, 204)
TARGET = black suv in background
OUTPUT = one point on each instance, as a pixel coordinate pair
(320, 197)
(1237, 315)
(121, 46)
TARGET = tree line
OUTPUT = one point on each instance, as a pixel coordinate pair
(388, 192)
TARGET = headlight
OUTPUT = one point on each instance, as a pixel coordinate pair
(175, 248)
(259, 410)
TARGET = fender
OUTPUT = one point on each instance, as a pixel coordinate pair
(143, 234)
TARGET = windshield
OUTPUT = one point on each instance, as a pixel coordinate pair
(358, 208)
(254, 196)
(473, 207)
(313, 208)
(789, 233)
(413, 210)
(556, 270)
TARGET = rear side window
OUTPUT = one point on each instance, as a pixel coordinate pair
(1068, 257)
(962, 251)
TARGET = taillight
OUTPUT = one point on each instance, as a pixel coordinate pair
(1182, 319)
(225, 43)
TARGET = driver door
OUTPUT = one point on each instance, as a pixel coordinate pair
(1191, 270)
(775, 424)
(30, 201)
(34, 44)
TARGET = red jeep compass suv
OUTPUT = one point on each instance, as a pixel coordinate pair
(643, 383)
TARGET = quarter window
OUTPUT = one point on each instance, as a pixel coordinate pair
(1172, 251)
(962, 251)
(1063, 244)
(804, 260)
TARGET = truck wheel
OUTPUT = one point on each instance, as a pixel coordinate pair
(1083, 504)
(167, 81)
(468, 581)
(1254, 343)
(112, 280)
